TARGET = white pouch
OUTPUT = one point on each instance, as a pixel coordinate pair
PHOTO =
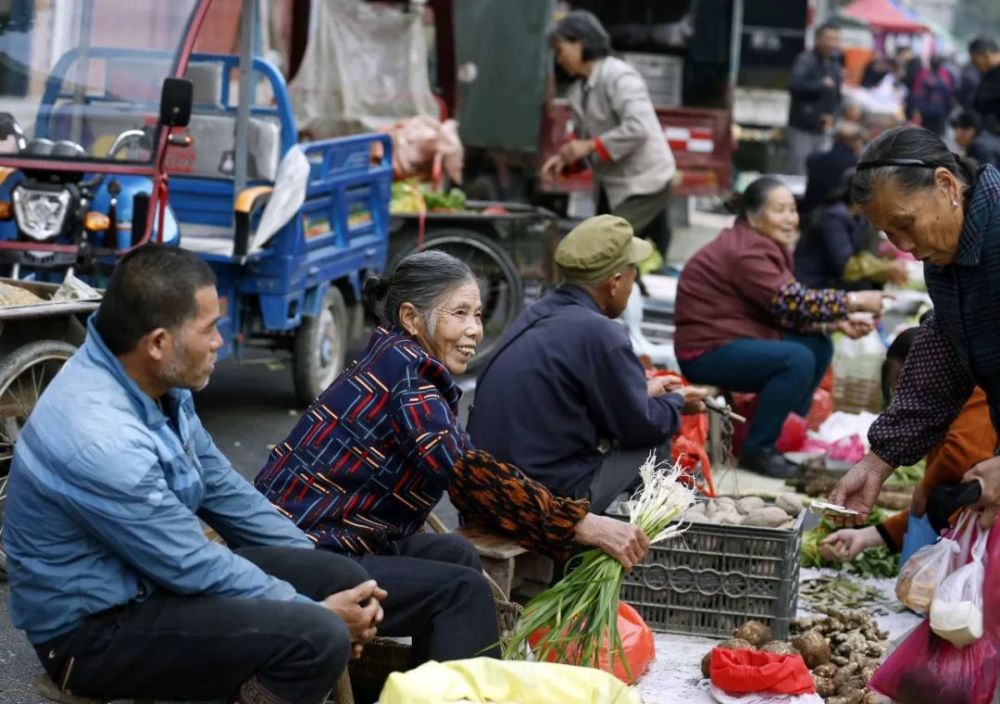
(957, 609)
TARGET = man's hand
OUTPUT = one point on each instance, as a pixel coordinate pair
(856, 325)
(361, 610)
(623, 541)
(553, 166)
(694, 399)
(576, 149)
(847, 543)
(987, 473)
(859, 488)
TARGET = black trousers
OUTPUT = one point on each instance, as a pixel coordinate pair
(649, 216)
(437, 595)
(174, 647)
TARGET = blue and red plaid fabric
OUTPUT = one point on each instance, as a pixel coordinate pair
(959, 346)
(372, 456)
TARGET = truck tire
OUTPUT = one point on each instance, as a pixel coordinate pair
(23, 377)
(499, 280)
(320, 348)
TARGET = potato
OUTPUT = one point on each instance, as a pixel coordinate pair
(749, 503)
(790, 504)
(755, 633)
(769, 517)
(779, 647)
(814, 648)
(824, 686)
(730, 518)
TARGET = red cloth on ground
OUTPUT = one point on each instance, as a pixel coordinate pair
(746, 671)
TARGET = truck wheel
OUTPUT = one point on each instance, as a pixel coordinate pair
(23, 377)
(320, 347)
(499, 280)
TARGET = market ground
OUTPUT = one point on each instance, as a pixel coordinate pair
(248, 407)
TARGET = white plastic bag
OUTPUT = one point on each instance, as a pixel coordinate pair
(919, 578)
(957, 609)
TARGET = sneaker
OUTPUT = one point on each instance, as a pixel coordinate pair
(769, 462)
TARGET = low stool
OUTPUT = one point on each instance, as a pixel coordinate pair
(511, 566)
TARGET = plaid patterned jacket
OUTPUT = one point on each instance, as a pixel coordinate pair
(375, 452)
(959, 346)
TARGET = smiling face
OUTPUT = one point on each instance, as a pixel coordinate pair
(926, 222)
(779, 218)
(454, 328)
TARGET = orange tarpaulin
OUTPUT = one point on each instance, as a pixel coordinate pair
(883, 16)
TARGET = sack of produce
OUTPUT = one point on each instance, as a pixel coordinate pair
(957, 610)
(920, 576)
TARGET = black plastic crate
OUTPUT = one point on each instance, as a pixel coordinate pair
(713, 578)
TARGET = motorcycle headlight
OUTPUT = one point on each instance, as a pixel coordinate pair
(41, 215)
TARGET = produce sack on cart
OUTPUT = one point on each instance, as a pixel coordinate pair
(489, 680)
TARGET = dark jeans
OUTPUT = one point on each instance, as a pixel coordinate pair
(619, 473)
(437, 595)
(174, 647)
(783, 373)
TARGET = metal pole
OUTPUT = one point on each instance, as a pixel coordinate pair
(735, 44)
(247, 20)
(82, 71)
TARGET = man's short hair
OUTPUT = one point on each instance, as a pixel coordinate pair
(967, 119)
(153, 286)
(982, 45)
(826, 27)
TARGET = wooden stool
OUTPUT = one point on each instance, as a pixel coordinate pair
(510, 565)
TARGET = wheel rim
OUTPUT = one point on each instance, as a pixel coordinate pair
(496, 283)
(328, 354)
(17, 399)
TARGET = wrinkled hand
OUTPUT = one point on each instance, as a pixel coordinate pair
(660, 385)
(987, 473)
(847, 543)
(623, 541)
(576, 149)
(553, 166)
(858, 489)
(898, 272)
(868, 301)
(361, 610)
(856, 325)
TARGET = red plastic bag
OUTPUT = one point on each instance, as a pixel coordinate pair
(793, 431)
(821, 408)
(637, 642)
(752, 671)
(925, 668)
(793, 434)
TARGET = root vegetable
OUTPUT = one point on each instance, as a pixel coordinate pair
(749, 503)
(853, 698)
(845, 674)
(790, 504)
(754, 632)
(731, 644)
(729, 518)
(706, 665)
(874, 698)
(814, 648)
(824, 686)
(827, 669)
(839, 660)
(767, 517)
(779, 647)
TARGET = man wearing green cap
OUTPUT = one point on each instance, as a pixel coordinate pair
(564, 397)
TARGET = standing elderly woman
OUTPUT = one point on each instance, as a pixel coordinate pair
(365, 465)
(745, 324)
(616, 130)
(945, 210)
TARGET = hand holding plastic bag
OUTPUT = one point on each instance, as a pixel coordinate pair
(920, 576)
(957, 610)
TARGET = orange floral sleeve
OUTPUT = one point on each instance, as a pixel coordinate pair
(502, 498)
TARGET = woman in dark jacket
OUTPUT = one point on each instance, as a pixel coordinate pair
(745, 324)
(835, 251)
(945, 210)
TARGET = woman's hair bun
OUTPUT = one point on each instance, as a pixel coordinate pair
(373, 293)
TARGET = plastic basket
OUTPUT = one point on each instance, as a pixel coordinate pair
(714, 578)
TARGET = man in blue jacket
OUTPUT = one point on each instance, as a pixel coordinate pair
(111, 575)
(815, 89)
(564, 397)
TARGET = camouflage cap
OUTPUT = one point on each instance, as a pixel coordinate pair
(599, 247)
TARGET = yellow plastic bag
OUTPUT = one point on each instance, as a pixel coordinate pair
(505, 682)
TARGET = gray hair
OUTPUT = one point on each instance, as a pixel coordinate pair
(909, 156)
(422, 279)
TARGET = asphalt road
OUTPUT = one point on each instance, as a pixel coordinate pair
(248, 407)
